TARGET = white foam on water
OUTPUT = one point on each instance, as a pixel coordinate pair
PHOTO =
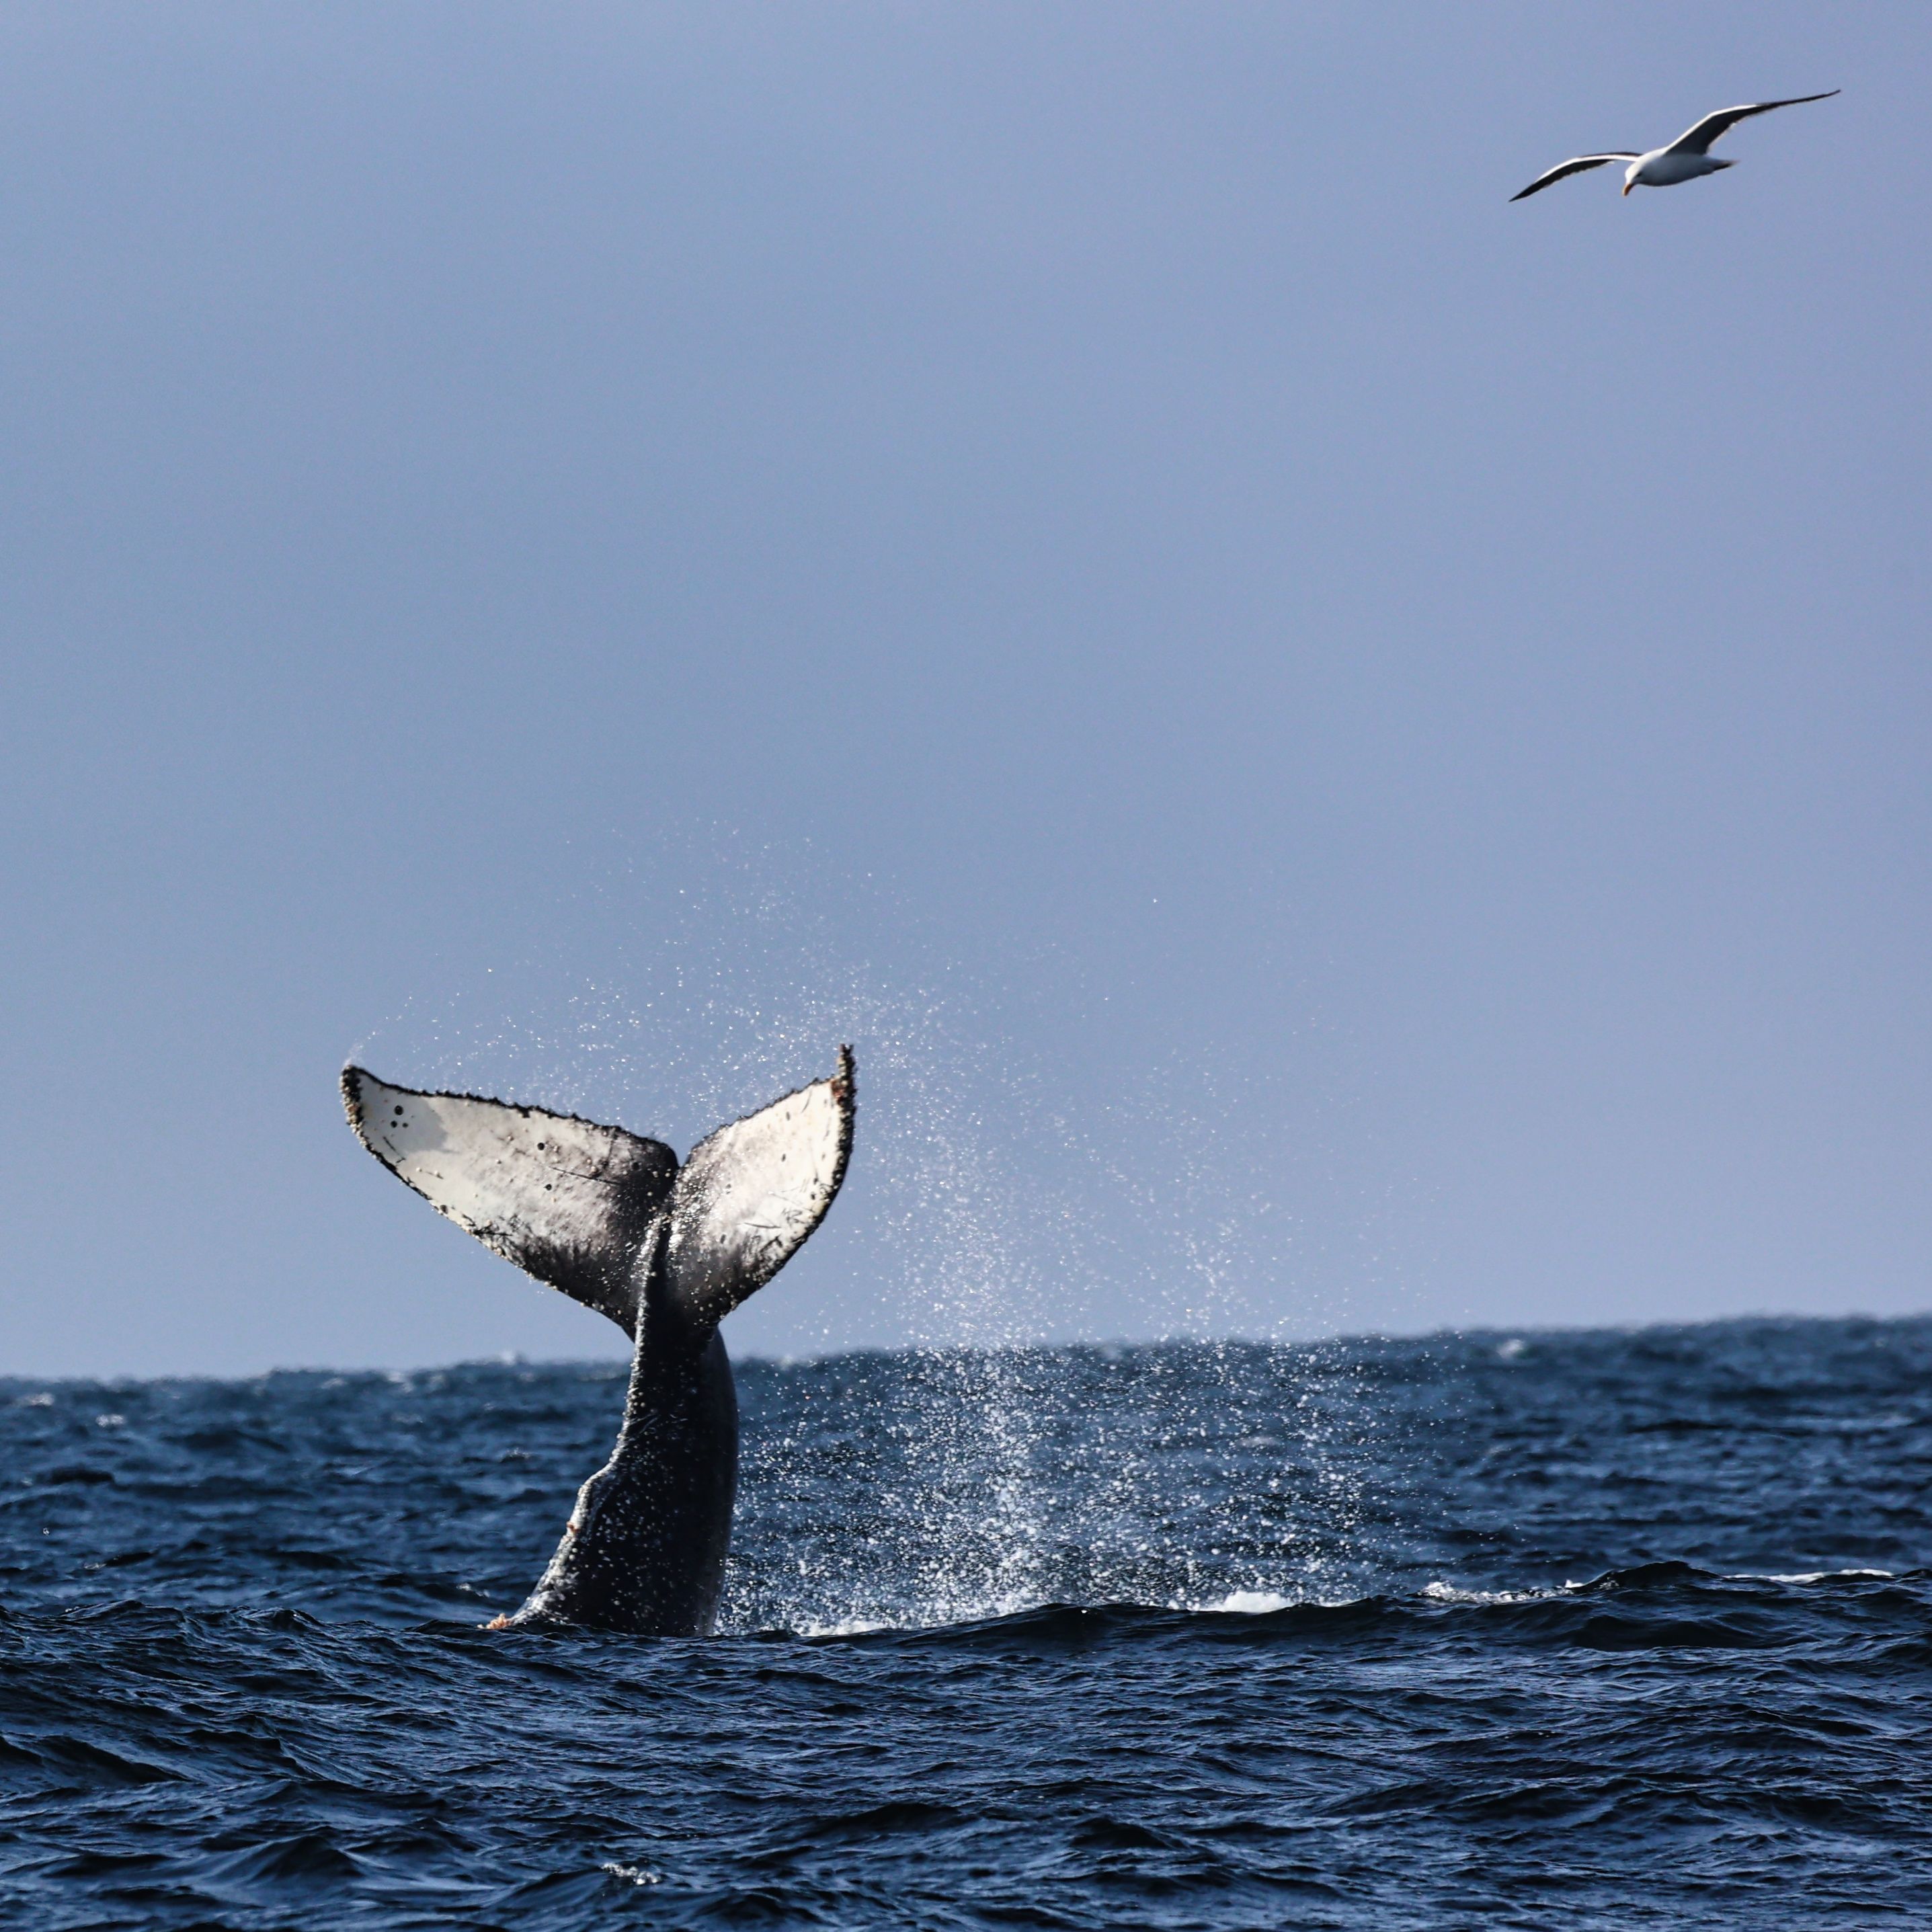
(1438, 1592)
(1807, 1575)
(1251, 1604)
(634, 1874)
(851, 1627)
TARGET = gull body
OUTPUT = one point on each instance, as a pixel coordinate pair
(1687, 158)
(1665, 167)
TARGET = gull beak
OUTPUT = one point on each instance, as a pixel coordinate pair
(1628, 186)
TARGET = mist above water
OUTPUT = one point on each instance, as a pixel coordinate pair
(997, 1198)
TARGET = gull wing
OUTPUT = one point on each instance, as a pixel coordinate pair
(1571, 167)
(566, 1200)
(1697, 140)
(752, 1192)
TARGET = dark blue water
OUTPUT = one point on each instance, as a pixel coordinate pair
(1576, 1630)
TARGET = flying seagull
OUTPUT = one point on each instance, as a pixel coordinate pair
(1684, 159)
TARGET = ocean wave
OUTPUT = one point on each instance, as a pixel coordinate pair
(1378, 1637)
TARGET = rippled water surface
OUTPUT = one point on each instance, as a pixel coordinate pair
(1576, 1630)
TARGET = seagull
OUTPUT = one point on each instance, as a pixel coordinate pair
(1684, 159)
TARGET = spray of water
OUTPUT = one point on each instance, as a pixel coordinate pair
(695, 983)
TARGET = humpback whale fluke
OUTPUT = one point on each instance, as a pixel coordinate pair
(609, 1218)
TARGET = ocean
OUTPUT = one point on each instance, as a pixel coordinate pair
(1573, 1629)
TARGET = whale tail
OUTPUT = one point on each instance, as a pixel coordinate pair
(574, 1204)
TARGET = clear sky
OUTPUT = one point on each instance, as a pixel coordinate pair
(1350, 754)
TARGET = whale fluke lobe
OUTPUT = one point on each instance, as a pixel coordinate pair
(751, 1192)
(568, 1201)
(608, 1217)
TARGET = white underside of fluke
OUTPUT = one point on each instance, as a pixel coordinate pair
(567, 1200)
(751, 1192)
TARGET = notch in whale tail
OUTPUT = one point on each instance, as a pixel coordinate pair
(574, 1203)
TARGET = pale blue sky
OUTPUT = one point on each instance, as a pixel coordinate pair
(1351, 755)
